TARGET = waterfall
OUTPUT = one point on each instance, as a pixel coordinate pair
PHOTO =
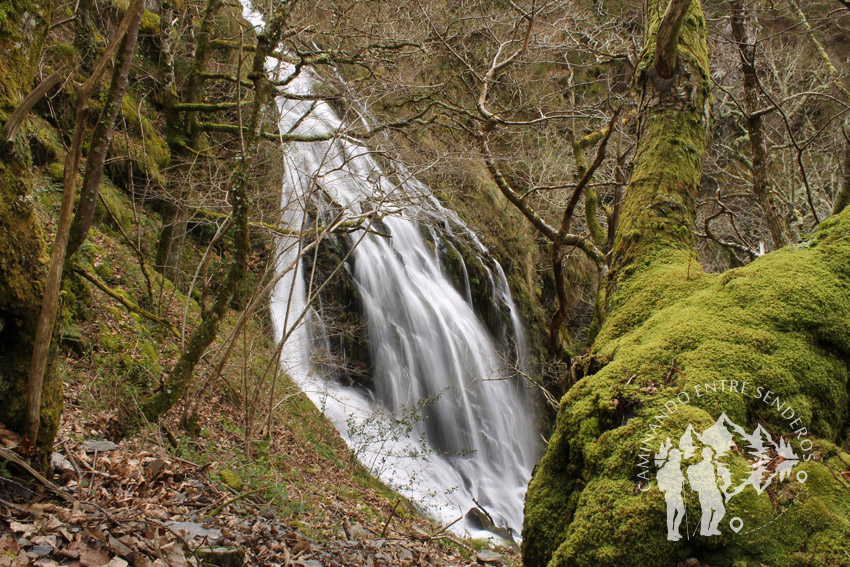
(445, 422)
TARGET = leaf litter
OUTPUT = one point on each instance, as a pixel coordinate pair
(134, 504)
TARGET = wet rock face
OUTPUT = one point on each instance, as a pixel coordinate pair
(471, 277)
(473, 274)
(344, 331)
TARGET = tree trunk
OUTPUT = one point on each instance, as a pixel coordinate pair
(781, 324)
(102, 136)
(43, 342)
(755, 131)
(843, 197)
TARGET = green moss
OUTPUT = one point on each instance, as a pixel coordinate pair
(23, 262)
(114, 210)
(149, 24)
(782, 323)
(231, 479)
(23, 26)
(141, 150)
(658, 215)
(63, 52)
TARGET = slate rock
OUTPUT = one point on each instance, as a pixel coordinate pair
(488, 557)
(99, 445)
(192, 530)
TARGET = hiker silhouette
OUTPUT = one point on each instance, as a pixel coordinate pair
(703, 481)
(670, 482)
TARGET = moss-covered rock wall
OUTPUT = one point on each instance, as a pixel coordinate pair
(23, 257)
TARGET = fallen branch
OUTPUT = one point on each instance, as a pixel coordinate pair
(392, 513)
(217, 510)
(12, 457)
(17, 116)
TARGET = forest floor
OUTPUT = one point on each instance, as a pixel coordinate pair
(216, 499)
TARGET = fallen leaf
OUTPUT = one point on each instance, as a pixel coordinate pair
(173, 555)
(9, 544)
(19, 528)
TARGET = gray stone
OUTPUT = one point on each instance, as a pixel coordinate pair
(356, 531)
(405, 553)
(99, 445)
(192, 530)
(40, 550)
(60, 463)
(488, 557)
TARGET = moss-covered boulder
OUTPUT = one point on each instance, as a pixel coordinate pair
(781, 324)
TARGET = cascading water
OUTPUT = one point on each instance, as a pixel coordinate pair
(445, 424)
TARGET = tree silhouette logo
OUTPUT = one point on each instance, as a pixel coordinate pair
(710, 475)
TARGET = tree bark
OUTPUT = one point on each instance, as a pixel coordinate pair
(49, 303)
(102, 136)
(667, 38)
(843, 197)
(18, 115)
(755, 131)
(22, 247)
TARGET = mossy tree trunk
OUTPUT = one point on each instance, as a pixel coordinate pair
(782, 324)
(23, 27)
(43, 341)
(182, 136)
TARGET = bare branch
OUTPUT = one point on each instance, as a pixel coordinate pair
(41, 89)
